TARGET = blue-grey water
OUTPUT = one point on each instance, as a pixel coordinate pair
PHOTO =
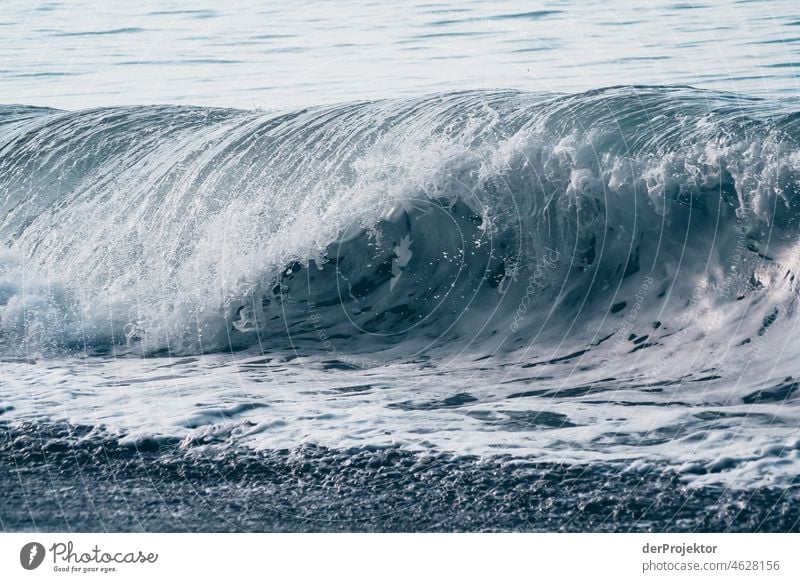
(431, 266)
(266, 54)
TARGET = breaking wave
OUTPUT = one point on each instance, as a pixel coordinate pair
(486, 220)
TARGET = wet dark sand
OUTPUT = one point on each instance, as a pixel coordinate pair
(65, 478)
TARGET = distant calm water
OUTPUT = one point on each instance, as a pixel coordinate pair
(272, 54)
(419, 266)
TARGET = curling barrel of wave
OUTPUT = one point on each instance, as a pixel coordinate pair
(464, 219)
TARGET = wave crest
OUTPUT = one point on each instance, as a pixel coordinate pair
(476, 218)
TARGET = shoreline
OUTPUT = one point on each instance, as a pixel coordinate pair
(65, 478)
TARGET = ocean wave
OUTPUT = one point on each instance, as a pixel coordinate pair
(486, 219)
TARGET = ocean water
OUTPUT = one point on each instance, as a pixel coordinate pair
(286, 269)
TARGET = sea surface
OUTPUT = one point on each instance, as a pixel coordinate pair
(432, 266)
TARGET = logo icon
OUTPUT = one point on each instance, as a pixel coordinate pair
(31, 555)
